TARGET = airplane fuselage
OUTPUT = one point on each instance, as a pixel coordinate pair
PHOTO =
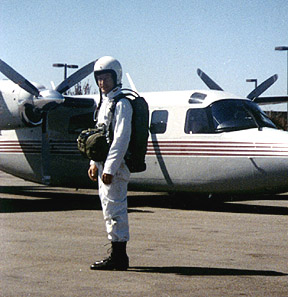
(194, 146)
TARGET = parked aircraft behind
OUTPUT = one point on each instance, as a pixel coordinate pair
(203, 141)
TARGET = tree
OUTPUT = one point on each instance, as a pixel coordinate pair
(79, 89)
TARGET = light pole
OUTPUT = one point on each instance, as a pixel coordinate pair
(284, 48)
(65, 67)
(252, 80)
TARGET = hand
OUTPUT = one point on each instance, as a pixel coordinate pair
(107, 178)
(92, 172)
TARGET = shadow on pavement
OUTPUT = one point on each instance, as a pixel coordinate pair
(38, 199)
(41, 199)
(205, 271)
(194, 202)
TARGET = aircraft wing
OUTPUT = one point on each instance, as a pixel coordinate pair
(271, 100)
(78, 101)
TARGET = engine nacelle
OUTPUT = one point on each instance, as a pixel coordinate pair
(19, 108)
(16, 107)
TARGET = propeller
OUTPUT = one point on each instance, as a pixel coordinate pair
(18, 79)
(254, 94)
(208, 81)
(75, 77)
(46, 99)
(35, 109)
(262, 87)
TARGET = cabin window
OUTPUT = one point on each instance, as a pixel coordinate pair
(197, 121)
(159, 120)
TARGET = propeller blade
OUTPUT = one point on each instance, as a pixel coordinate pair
(18, 79)
(262, 87)
(75, 77)
(208, 81)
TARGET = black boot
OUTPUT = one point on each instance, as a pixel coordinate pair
(118, 260)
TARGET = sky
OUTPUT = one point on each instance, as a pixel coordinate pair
(159, 43)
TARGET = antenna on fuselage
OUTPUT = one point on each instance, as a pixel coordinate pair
(131, 83)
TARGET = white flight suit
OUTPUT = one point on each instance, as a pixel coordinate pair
(114, 196)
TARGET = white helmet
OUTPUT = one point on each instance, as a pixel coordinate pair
(111, 65)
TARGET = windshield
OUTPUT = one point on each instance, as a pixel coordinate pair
(238, 114)
(226, 115)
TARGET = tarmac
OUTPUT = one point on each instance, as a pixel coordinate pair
(180, 245)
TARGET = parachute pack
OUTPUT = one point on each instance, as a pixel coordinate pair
(135, 156)
(94, 143)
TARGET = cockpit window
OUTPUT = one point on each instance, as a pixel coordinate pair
(226, 115)
(197, 121)
(231, 115)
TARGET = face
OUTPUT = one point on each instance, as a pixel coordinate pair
(105, 82)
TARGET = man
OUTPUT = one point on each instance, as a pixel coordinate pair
(113, 174)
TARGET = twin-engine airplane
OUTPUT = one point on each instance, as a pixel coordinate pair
(200, 141)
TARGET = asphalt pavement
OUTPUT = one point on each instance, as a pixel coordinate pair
(180, 245)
